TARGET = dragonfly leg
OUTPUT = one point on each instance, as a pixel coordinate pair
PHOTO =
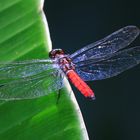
(58, 96)
(61, 76)
(59, 91)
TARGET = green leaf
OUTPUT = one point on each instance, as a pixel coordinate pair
(24, 35)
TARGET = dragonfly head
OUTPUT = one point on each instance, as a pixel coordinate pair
(56, 52)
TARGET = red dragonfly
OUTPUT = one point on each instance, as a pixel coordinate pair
(103, 59)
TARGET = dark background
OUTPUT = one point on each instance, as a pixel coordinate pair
(115, 115)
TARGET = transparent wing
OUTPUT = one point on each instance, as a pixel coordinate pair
(32, 87)
(29, 79)
(104, 48)
(113, 66)
(16, 70)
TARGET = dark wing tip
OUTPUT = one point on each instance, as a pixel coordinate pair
(133, 29)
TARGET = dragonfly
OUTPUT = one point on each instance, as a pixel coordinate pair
(103, 59)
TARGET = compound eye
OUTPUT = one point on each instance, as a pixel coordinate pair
(51, 54)
(54, 52)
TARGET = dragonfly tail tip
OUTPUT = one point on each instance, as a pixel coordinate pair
(91, 98)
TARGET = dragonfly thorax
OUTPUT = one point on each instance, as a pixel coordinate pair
(66, 63)
(63, 60)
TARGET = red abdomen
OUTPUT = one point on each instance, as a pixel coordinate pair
(80, 84)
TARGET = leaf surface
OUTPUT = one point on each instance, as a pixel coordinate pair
(24, 35)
